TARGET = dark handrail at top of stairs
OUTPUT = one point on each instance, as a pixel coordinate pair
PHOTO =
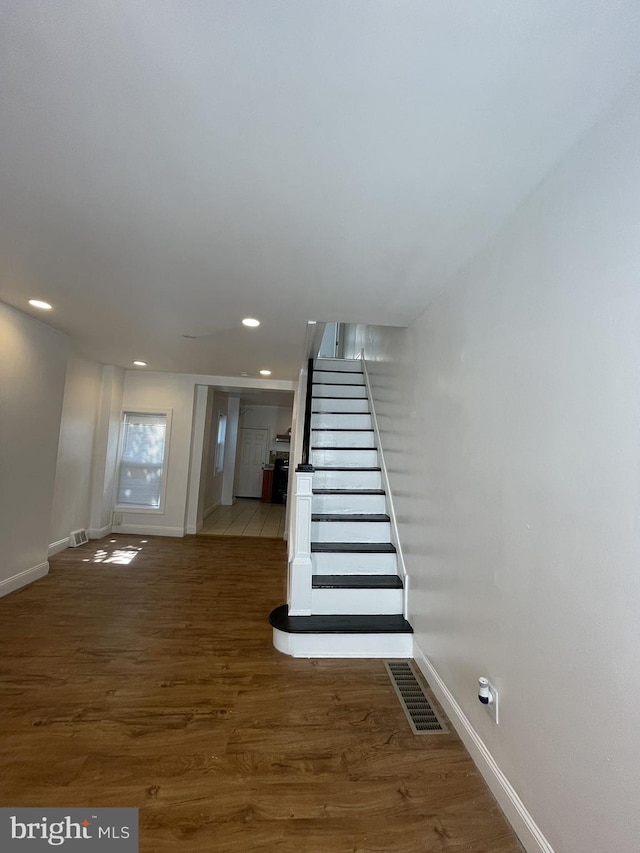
(306, 465)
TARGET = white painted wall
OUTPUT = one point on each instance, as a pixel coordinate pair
(33, 360)
(510, 413)
(195, 494)
(217, 489)
(160, 392)
(230, 452)
(72, 490)
(105, 450)
(218, 404)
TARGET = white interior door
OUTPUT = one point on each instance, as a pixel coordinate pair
(253, 455)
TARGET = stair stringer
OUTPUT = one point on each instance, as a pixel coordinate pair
(395, 534)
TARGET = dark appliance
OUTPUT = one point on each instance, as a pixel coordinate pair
(280, 481)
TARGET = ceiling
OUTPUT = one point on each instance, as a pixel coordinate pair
(168, 168)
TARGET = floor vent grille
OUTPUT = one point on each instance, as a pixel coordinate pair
(420, 714)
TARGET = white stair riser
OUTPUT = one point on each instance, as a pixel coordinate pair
(339, 378)
(350, 531)
(354, 564)
(321, 404)
(342, 438)
(346, 421)
(344, 645)
(358, 391)
(332, 458)
(361, 602)
(347, 480)
(349, 504)
(338, 364)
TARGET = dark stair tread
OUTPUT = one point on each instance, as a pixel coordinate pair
(341, 429)
(319, 412)
(348, 491)
(343, 398)
(373, 624)
(321, 516)
(356, 582)
(353, 548)
(341, 384)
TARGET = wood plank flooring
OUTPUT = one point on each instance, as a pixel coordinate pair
(246, 517)
(140, 672)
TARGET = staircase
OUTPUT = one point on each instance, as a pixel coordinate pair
(357, 596)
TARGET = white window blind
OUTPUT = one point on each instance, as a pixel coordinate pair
(142, 460)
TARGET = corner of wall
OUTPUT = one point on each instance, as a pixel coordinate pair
(21, 579)
(99, 532)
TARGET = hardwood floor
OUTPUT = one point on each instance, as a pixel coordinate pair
(246, 517)
(140, 672)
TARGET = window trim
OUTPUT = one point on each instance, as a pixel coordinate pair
(134, 509)
(220, 453)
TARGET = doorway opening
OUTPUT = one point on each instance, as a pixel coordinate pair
(240, 467)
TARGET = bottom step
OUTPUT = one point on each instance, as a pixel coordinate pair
(341, 636)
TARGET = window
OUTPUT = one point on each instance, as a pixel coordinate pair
(222, 434)
(142, 460)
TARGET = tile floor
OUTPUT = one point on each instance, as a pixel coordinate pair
(247, 517)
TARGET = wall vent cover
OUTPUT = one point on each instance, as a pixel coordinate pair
(419, 711)
(78, 537)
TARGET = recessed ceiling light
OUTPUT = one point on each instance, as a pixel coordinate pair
(250, 321)
(140, 363)
(38, 303)
(311, 322)
(265, 373)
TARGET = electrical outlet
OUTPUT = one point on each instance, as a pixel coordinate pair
(117, 519)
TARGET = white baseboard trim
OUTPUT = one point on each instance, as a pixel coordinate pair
(56, 547)
(343, 645)
(193, 530)
(147, 530)
(514, 809)
(23, 578)
(93, 533)
(99, 532)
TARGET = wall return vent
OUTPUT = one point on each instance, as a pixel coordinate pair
(78, 537)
